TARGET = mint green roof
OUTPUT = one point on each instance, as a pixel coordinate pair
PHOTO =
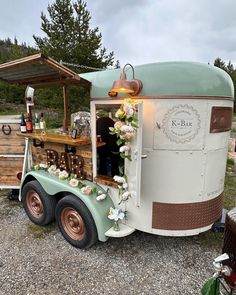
(168, 78)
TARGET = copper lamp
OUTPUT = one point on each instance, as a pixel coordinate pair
(132, 87)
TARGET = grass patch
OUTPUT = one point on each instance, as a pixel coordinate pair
(38, 231)
(233, 130)
(211, 240)
(230, 190)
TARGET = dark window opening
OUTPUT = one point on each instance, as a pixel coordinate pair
(108, 158)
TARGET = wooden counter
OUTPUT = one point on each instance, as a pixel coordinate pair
(60, 143)
(56, 138)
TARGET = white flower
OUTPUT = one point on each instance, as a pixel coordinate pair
(74, 182)
(36, 167)
(116, 214)
(125, 185)
(43, 166)
(101, 197)
(125, 196)
(129, 110)
(127, 128)
(130, 113)
(119, 179)
(57, 172)
(124, 148)
(52, 169)
(87, 190)
(118, 125)
(63, 174)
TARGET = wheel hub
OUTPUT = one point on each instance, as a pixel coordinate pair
(73, 223)
(34, 204)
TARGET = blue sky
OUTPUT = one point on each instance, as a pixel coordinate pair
(143, 31)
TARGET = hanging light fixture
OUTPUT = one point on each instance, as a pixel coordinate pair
(132, 87)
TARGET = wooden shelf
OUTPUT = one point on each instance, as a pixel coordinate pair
(106, 180)
(57, 138)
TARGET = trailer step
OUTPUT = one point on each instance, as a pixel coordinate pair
(124, 231)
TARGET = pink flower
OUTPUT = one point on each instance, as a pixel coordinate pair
(128, 136)
(127, 129)
(87, 190)
(129, 110)
(118, 125)
(125, 185)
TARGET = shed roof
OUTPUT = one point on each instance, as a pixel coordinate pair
(39, 70)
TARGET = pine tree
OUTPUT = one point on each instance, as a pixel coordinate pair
(69, 36)
(229, 68)
(220, 63)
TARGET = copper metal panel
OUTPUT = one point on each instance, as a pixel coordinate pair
(186, 216)
(221, 119)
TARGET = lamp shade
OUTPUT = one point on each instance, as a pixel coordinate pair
(122, 86)
(132, 87)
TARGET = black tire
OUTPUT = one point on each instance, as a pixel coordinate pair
(76, 222)
(38, 205)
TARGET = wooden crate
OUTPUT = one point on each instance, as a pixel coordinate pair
(9, 168)
(11, 151)
(10, 144)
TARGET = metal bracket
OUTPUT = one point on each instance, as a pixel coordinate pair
(70, 149)
(38, 143)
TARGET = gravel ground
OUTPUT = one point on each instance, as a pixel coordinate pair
(37, 260)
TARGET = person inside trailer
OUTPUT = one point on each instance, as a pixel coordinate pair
(109, 153)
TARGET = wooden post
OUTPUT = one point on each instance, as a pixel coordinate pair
(65, 121)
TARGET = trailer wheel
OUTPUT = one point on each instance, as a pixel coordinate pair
(76, 222)
(38, 205)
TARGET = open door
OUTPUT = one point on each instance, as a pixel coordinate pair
(133, 168)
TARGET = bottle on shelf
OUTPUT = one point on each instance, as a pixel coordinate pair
(22, 124)
(29, 124)
(36, 123)
(42, 124)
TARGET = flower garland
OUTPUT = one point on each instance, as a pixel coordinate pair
(72, 180)
(125, 127)
(125, 130)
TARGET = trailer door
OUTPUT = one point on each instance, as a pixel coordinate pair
(133, 167)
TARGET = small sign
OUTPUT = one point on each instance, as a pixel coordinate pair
(181, 123)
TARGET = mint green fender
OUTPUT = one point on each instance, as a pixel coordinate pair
(99, 209)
